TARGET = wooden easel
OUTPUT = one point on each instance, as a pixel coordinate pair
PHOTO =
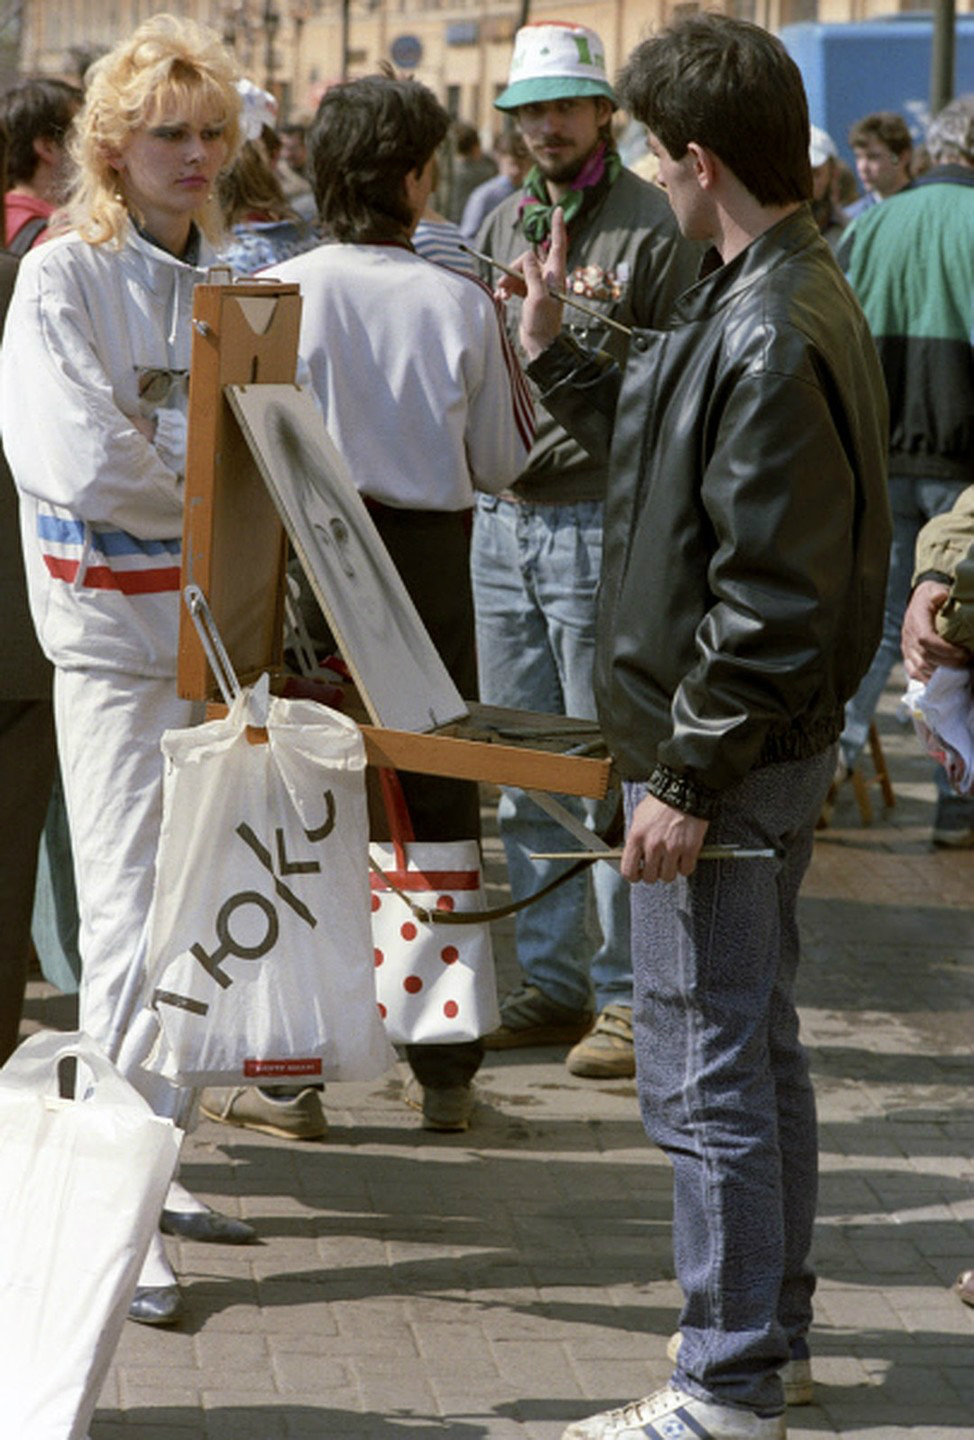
(234, 549)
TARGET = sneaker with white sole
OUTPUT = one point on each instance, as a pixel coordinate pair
(607, 1052)
(289, 1117)
(672, 1414)
(796, 1374)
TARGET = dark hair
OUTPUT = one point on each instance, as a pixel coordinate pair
(511, 142)
(465, 137)
(40, 109)
(367, 136)
(885, 126)
(731, 87)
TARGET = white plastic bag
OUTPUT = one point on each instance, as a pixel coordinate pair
(83, 1186)
(259, 966)
(942, 711)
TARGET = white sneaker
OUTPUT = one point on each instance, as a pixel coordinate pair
(796, 1374)
(672, 1414)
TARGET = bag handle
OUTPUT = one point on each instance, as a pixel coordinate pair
(401, 834)
(480, 917)
(34, 1065)
(401, 831)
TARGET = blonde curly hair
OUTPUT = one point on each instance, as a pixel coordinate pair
(168, 64)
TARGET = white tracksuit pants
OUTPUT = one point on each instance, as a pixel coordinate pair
(109, 726)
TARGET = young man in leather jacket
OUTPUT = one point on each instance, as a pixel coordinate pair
(742, 595)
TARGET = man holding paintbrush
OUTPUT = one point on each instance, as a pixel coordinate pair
(537, 548)
(745, 560)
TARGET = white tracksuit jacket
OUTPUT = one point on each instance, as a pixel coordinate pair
(101, 507)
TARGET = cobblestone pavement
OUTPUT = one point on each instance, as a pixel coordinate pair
(501, 1283)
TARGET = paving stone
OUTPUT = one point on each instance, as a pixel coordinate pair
(498, 1284)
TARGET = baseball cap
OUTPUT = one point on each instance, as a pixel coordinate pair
(821, 147)
(554, 60)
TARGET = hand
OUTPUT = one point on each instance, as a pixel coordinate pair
(923, 648)
(541, 313)
(662, 843)
(146, 424)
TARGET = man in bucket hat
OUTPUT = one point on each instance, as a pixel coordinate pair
(537, 548)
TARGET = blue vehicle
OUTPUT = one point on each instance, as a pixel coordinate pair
(883, 64)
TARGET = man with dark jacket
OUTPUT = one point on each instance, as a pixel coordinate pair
(911, 263)
(746, 545)
(537, 548)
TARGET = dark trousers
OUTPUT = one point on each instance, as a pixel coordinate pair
(431, 551)
(27, 759)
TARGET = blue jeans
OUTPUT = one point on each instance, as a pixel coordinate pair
(724, 1087)
(913, 502)
(535, 575)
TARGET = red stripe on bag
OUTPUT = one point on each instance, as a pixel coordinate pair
(261, 1069)
(425, 880)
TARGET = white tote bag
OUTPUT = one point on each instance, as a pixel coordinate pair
(259, 965)
(83, 1183)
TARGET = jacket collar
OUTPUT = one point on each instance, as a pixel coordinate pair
(720, 284)
(136, 241)
(945, 175)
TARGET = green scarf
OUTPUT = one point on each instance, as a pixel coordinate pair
(597, 175)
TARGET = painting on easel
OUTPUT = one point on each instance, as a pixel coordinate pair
(398, 673)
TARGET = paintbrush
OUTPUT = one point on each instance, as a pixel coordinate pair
(552, 291)
(709, 852)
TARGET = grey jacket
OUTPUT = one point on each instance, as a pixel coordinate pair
(626, 258)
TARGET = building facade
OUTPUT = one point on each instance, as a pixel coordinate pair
(459, 48)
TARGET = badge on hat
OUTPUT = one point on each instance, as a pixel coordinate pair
(553, 60)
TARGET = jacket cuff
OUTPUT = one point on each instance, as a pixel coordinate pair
(682, 793)
(940, 576)
(562, 357)
(562, 360)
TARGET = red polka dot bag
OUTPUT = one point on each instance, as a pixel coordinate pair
(434, 965)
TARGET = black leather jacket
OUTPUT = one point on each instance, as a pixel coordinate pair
(747, 523)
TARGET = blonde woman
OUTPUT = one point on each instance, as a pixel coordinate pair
(93, 407)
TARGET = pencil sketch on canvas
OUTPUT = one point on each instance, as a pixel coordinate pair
(401, 678)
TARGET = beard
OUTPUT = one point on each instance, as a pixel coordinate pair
(561, 168)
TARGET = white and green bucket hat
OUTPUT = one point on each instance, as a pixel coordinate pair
(554, 60)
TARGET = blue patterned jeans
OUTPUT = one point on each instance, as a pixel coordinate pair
(724, 1087)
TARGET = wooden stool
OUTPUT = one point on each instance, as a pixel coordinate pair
(880, 776)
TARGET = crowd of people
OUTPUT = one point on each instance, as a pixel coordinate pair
(671, 513)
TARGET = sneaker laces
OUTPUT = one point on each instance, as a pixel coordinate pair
(649, 1408)
(616, 1021)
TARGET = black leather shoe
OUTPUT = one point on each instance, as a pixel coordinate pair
(208, 1226)
(156, 1305)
